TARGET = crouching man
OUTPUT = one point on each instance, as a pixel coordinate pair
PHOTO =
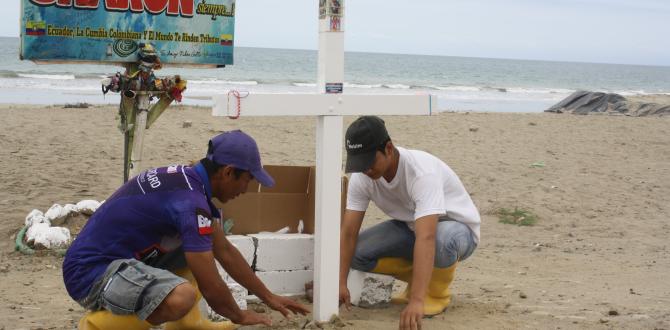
(434, 223)
(146, 256)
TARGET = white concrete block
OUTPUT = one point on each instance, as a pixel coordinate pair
(369, 290)
(284, 252)
(286, 282)
(245, 245)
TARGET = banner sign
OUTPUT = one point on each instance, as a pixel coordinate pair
(183, 32)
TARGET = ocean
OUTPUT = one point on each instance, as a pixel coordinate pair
(461, 83)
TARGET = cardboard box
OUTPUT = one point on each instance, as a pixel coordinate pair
(270, 209)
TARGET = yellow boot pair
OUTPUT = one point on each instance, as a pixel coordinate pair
(193, 320)
(438, 296)
(105, 320)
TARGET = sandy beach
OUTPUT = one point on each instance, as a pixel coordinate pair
(597, 258)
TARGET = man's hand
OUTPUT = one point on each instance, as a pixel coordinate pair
(285, 305)
(345, 296)
(250, 318)
(410, 318)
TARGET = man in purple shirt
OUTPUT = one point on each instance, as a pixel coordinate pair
(146, 254)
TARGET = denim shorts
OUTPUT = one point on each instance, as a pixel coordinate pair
(454, 241)
(129, 286)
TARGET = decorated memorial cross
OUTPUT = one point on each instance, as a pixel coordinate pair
(141, 35)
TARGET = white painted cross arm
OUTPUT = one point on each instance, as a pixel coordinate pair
(322, 105)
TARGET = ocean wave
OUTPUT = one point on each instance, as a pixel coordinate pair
(397, 86)
(346, 85)
(518, 90)
(301, 84)
(47, 76)
(223, 82)
(93, 76)
(495, 89)
(8, 74)
(90, 81)
(642, 92)
(631, 93)
(456, 88)
(363, 86)
(525, 90)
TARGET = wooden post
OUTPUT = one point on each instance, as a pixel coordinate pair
(141, 110)
(136, 117)
(328, 164)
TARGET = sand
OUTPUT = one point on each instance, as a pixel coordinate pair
(597, 259)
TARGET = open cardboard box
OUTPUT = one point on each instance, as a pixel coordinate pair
(270, 209)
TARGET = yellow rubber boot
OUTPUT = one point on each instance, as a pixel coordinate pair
(401, 269)
(438, 297)
(105, 320)
(193, 320)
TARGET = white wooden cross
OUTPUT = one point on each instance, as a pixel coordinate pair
(328, 105)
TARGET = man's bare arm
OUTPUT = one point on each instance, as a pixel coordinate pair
(351, 224)
(213, 289)
(424, 255)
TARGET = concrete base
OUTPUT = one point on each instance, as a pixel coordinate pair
(369, 290)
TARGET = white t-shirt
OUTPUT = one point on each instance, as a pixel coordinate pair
(423, 185)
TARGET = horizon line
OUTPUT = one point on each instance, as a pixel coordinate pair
(456, 56)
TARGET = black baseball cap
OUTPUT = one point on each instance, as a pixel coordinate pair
(364, 136)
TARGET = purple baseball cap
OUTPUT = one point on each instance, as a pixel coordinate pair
(239, 150)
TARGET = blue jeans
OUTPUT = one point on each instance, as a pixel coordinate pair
(454, 242)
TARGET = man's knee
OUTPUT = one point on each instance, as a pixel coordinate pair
(362, 262)
(445, 254)
(178, 302)
(453, 242)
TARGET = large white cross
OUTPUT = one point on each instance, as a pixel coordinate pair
(328, 105)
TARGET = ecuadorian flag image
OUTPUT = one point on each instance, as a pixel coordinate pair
(226, 40)
(36, 28)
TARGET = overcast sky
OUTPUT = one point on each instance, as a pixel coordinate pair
(603, 31)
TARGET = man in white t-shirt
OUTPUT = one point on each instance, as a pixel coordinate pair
(434, 223)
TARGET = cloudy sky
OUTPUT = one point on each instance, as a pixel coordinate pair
(602, 31)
